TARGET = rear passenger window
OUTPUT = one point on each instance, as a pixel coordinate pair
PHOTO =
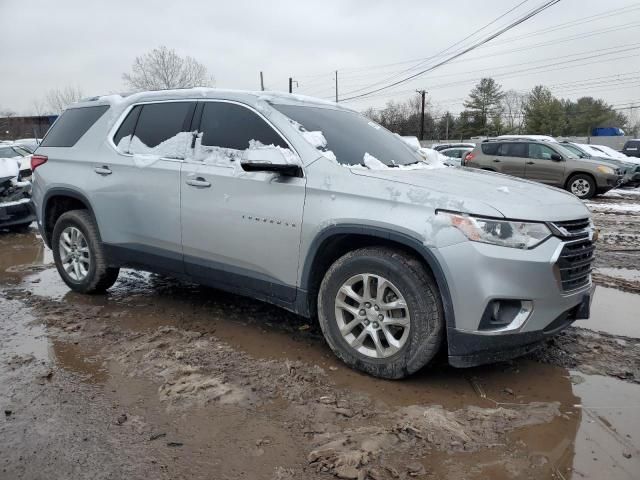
(72, 125)
(162, 129)
(490, 148)
(229, 125)
(513, 150)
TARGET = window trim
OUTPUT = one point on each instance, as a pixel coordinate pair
(195, 124)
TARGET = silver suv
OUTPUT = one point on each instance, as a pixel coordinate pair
(317, 209)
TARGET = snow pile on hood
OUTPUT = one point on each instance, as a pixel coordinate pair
(372, 163)
(434, 158)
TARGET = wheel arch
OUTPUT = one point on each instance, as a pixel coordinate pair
(57, 201)
(333, 242)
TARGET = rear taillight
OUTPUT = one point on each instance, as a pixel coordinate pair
(37, 160)
(469, 156)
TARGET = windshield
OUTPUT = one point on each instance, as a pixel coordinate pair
(350, 135)
(565, 152)
(575, 150)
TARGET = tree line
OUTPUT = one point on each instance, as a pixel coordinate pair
(490, 111)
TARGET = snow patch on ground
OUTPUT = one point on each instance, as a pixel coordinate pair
(614, 207)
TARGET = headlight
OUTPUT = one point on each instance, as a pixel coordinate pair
(499, 232)
(607, 170)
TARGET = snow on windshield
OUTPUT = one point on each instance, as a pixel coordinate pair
(372, 163)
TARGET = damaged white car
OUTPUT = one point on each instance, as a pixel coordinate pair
(16, 210)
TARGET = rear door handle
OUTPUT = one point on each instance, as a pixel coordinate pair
(495, 160)
(531, 163)
(198, 182)
(103, 170)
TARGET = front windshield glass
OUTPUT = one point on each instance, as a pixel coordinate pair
(565, 152)
(350, 135)
(575, 150)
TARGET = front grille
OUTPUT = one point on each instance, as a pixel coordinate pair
(572, 228)
(574, 264)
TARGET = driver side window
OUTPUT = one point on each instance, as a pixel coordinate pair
(541, 152)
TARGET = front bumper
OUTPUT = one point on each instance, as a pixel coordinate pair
(478, 274)
(16, 213)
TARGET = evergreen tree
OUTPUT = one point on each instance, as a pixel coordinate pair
(483, 108)
(544, 113)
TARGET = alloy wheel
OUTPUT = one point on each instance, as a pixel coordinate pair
(74, 253)
(372, 315)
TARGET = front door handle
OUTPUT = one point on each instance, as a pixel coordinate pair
(495, 160)
(103, 170)
(198, 182)
(531, 163)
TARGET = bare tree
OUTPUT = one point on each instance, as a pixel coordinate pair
(163, 68)
(57, 99)
(512, 104)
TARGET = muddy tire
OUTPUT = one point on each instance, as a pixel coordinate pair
(79, 254)
(381, 312)
(582, 186)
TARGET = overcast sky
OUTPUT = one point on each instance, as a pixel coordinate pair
(47, 44)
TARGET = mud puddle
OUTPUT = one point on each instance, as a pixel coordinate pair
(615, 312)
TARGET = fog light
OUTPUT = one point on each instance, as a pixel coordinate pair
(504, 315)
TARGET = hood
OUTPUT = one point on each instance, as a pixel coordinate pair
(512, 197)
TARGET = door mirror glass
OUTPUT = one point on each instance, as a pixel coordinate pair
(556, 157)
(271, 159)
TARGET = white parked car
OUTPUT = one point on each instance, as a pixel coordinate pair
(13, 150)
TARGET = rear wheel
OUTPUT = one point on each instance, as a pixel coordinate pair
(79, 254)
(380, 312)
(582, 186)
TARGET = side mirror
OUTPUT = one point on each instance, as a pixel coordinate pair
(556, 157)
(270, 159)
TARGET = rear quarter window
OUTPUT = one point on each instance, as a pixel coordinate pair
(72, 125)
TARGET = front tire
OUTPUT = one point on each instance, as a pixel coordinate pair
(79, 254)
(380, 312)
(582, 186)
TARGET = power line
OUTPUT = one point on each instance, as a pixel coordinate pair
(465, 50)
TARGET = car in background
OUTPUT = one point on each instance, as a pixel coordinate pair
(545, 162)
(14, 150)
(16, 208)
(632, 148)
(631, 169)
(28, 143)
(540, 138)
(610, 152)
(455, 154)
(442, 146)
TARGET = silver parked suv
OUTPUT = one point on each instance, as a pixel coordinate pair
(315, 208)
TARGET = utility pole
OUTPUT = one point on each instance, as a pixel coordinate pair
(422, 96)
(336, 86)
(447, 128)
(261, 82)
(290, 85)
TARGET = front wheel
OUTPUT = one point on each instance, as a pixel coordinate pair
(582, 186)
(380, 312)
(79, 254)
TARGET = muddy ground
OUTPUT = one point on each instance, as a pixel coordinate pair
(165, 380)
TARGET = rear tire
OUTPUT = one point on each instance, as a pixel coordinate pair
(582, 186)
(351, 322)
(79, 254)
